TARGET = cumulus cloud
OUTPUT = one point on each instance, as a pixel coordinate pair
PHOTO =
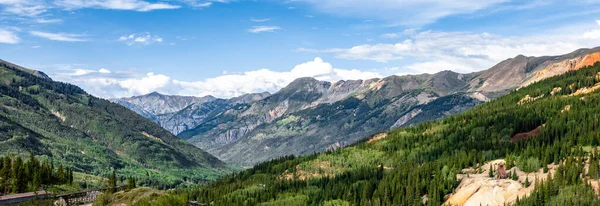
(59, 36)
(8, 37)
(121, 83)
(594, 34)
(405, 12)
(433, 51)
(260, 29)
(144, 39)
(104, 71)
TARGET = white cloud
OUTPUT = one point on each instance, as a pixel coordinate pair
(144, 39)
(151, 82)
(25, 8)
(432, 51)
(376, 52)
(594, 34)
(48, 21)
(8, 37)
(9, 2)
(405, 12)
(260, 29)
(260, 20)
(120, 84)
(135, 5)
(104, 71)
(390, 36)
(59, 36)
(79, 72)
(204, 3)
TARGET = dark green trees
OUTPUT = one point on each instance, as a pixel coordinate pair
(131, 183)
(5, 173)
(421, 162)
(112, 183)
(18, 176)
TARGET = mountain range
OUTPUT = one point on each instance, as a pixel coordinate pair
(536, 145)
(311, 116)
(60, 122)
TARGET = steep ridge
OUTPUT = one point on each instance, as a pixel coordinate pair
(522, 71)
(454, 161)
(180, 113)
(286, 122)
(62, 122)
(304, 117)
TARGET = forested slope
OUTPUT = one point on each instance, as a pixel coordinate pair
(419, 164)
(62, 123)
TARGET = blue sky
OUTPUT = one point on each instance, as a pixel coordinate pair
(225, 48)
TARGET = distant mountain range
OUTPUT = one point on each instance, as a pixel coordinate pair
(311, 116)
(61, 122)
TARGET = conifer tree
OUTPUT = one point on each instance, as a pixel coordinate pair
(60, 173)
(17, 177)
(112, 183)
(130, 183)
(593, 170)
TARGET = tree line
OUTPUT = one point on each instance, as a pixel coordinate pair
(18, 175)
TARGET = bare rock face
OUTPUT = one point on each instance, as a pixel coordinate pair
(182, 113)
(565, 66)
(522, 71)
(477, 188)
(155, 103)
(407, 117)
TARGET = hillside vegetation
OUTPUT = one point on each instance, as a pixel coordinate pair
(62, 123)
(309, 115)
(419, 165)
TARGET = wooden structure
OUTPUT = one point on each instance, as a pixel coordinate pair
(81, 197)
(73, 198)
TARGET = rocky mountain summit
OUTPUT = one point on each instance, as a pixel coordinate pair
(310, 116)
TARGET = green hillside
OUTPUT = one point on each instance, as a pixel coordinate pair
(62, 123)
(419, 164)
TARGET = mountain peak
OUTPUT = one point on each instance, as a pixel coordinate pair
(155, 93)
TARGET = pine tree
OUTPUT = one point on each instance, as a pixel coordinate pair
(593, 170)
(70, 176)
(130, 183)
(18, 177)
(60, 174)
(112, 183)
(5, 173)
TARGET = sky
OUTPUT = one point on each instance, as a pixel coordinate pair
(226, 48)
